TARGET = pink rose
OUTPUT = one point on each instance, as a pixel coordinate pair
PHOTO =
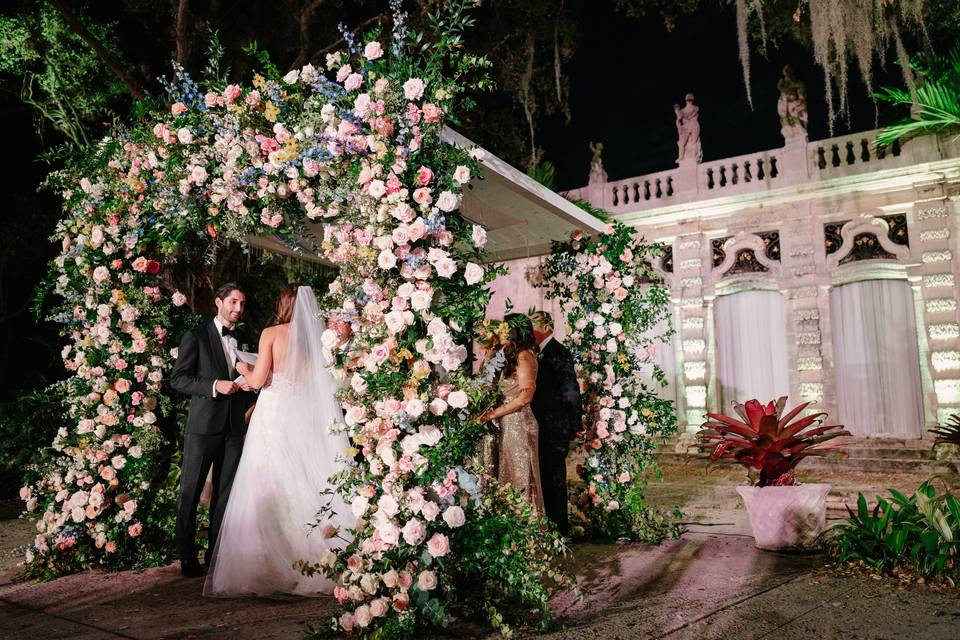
(252, 99)
(354, 563)
(461, 175)
(177, 108)
(458, 399)
(347, 620)
(140, 264)
(178, 299)
(406, 579)
(414, 532)
(431, 112)
(413, 89)
(401, 601)
(429, 510)
(231, 93)
(624, 477)
(422, 196)
(438, 545)
(135, 530)
(353, 81)
(424, 176)
(122, 385)
(373, 50)
(427, 581)
(448, 201)
(454, 517)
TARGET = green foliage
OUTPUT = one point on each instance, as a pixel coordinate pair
(614, 302)
(920, 533)
(544, 173)
(60, 75)
(935, 103)
(31, 419)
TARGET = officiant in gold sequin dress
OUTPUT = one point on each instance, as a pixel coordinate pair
(517, 458)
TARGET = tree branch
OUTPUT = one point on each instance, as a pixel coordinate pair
(304, 19)
(381, 18)
(112, 63)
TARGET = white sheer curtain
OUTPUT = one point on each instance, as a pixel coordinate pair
(751, 347)
(665, 356)
(523, 295)
(876, 360)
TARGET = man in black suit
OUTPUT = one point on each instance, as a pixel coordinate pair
(557, 406)
(216, 424)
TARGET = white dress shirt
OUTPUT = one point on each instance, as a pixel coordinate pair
(229, 350)
(546, 341)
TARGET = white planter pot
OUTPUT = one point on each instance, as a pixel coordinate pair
(786, 517)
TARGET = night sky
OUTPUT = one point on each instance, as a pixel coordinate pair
(625, 77)
(628, 73)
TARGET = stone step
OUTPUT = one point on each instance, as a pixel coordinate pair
(871, 464)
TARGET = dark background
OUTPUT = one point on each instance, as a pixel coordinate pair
(624, 78)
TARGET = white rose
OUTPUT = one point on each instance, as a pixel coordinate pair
(184, 135)
(359, 506)
(461, 175)
(438, 406)
(387, 260)
(454, 517)
(292, 76)
(458, 399)
(447, 201)
(473, 273)
(445, 267)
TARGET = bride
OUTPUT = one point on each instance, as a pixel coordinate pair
(287, 459)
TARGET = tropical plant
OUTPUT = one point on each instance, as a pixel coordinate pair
(919, 532)
(934, 102)
(947, 433)
(767, 440)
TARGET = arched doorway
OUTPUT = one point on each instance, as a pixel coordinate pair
(876, 360)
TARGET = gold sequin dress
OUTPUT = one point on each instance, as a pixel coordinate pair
(518, 457)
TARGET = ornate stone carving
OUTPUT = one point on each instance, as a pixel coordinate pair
(898, 228)
(688, 245)
(746, 262)
(802, 251)
(948, 391)
(694, 346)
(688, 131)
(810, 363)
(866, 246)
(935, 212)
(597, 173)
(696, 395)
(689, 303)
(832, 240)
(811, 391)
(936, 280)
(941, 305)
(934, 234)
(693, 322)
(936, 256)
(945, 360)
(806, 315)
(943, 331)
(808, 337)
(690, 282)
(690, 264)
(695, 370)
(792, 105)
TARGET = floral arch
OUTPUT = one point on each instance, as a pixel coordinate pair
(357, 148)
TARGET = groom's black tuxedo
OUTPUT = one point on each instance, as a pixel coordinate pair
(213, 435)
(557, 406)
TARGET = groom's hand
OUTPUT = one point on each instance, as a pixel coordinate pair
(226, 387)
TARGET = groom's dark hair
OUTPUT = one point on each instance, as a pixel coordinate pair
(224, 290)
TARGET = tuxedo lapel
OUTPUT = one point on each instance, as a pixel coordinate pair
(216, 348)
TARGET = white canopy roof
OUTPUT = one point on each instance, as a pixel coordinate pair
(521, 216)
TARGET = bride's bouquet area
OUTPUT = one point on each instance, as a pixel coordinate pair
(354, 147)
(615, 305)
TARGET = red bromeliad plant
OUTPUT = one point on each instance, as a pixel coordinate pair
(769, 441)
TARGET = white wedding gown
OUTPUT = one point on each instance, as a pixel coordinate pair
(288, 456)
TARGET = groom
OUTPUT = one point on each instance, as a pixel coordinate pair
(556, 405)
(205, 370)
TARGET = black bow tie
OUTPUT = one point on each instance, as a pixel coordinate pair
(228, 331)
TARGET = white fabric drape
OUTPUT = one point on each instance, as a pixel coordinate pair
(665, 356)
(523, 295)
(876, 359)
(751, 347)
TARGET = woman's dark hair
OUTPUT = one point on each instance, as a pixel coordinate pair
(521, 339)
(224, 290)
(285, 304)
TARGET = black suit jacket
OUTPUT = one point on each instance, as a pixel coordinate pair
(200, 362)
(556, 402)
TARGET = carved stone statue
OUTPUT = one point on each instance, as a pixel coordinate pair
(688, 131)
(597, 173)
(792, 105)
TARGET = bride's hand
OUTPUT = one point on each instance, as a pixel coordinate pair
(243, 368)
(487, 416)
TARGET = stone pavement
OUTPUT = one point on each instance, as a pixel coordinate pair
(710, 584)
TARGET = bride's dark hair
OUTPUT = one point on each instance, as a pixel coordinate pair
(285, 303)
(520, 339)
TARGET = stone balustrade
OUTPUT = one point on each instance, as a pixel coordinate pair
(798, 162)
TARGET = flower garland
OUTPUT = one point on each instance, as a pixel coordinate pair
(356, 147)
(613, 300)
